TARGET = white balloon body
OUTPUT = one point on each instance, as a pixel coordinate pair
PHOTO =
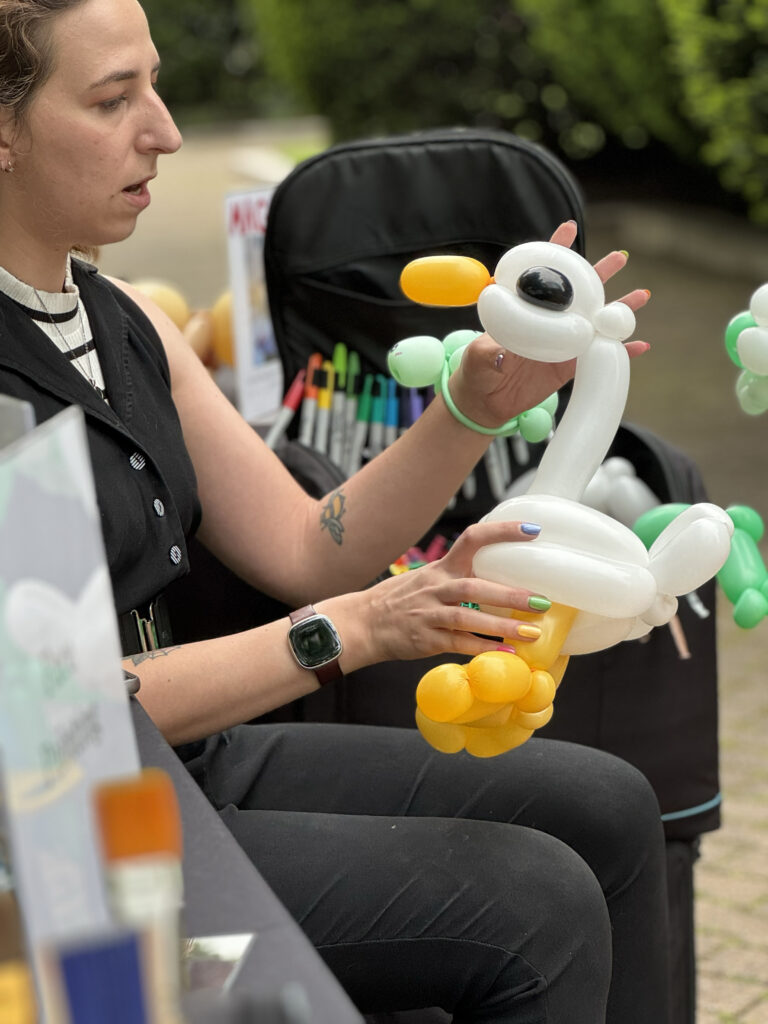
(583, 557)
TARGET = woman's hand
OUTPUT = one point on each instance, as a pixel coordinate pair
(420, 613)
(491, 390)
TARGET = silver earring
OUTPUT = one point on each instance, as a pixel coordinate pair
(8, 168)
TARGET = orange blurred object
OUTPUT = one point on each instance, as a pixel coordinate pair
(223, 332)
(138, 816)
(168, 298)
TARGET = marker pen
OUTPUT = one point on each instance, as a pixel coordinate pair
(338, 403)
(411, 408)
(378, 416)
(469, 487)
(324, 400)
(350, 407)
(392, 414)
(520, 450)
(500, 443)
(361, 425)
(139, 822)
(494, 471)
(288, 410)
(309, 405)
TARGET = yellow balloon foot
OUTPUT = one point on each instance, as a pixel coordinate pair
(486, 707)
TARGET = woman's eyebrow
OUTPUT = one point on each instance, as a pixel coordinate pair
(120, 76)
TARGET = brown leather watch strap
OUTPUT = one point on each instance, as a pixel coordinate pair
(301, 613)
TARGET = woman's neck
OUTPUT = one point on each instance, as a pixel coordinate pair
(40, 267)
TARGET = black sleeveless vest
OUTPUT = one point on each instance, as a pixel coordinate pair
(145, 482)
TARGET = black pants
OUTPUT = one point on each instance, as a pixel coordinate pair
(524, 888)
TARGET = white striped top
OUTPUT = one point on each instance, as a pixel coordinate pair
(61, 316)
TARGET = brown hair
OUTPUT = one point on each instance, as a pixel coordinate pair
(26, 51)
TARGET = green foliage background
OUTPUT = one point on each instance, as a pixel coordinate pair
(721, 52)
(211, 63)
(688, 78)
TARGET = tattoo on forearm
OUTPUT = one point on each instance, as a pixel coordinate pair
(330, 517)
(147, 655)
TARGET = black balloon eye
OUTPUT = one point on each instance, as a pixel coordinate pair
(543, 286)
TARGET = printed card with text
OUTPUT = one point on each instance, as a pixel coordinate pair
(258, 370)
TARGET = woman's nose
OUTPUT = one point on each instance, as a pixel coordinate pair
(160, 133)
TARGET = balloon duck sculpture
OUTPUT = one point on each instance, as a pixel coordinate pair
(547, 303)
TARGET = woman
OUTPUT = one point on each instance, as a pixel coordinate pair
(526, 888)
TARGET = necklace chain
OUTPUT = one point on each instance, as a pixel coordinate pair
(87, 372)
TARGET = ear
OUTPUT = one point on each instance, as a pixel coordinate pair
(9, 131)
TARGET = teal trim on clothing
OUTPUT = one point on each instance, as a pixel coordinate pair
(690, 811)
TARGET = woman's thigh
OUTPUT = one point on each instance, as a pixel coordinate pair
(492, 922)
(378, 787)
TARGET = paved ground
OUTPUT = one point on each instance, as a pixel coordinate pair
(701, 269)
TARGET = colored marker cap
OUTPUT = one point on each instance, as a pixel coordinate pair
(138, 815)
(393, 404)
(339, 360)
(379, 405)
(353, 373)
(314, 363)
(364, 405)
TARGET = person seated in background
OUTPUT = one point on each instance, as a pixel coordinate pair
(528, 887)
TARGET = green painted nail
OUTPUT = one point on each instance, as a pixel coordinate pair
(539, 604)
(624, 253)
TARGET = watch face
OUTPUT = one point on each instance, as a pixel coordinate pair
(315, 642)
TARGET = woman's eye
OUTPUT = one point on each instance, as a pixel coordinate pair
(110, 105)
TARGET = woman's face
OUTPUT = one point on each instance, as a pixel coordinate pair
(94, 130)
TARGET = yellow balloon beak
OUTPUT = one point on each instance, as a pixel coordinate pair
(444, 280)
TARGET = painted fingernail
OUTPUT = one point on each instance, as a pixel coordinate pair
(539, 604)
(532, 529)
(570, 222)
(624, 253)
(529, 632)
(647, 292)
(504, 647)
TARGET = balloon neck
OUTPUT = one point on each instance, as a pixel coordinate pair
(590, 422)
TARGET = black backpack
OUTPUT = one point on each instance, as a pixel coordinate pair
(341, 227)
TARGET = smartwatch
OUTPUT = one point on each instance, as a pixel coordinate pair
(315, 644)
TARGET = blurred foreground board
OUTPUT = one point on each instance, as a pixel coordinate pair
(64, 718)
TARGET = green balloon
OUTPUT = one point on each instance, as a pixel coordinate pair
(535, 424)
(416, 362)
(738, 324)
(458, 339)
(655, 520)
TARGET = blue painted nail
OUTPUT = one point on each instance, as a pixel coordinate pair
(531, 528)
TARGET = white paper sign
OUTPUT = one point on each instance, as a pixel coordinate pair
(258, 370)
(64, 716)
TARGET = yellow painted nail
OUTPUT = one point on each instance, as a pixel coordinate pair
(529, 632)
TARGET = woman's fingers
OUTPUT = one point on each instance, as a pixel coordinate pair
(636, 299)
(478, 535)
(565, 234)
(471, 591)
(636, 348)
